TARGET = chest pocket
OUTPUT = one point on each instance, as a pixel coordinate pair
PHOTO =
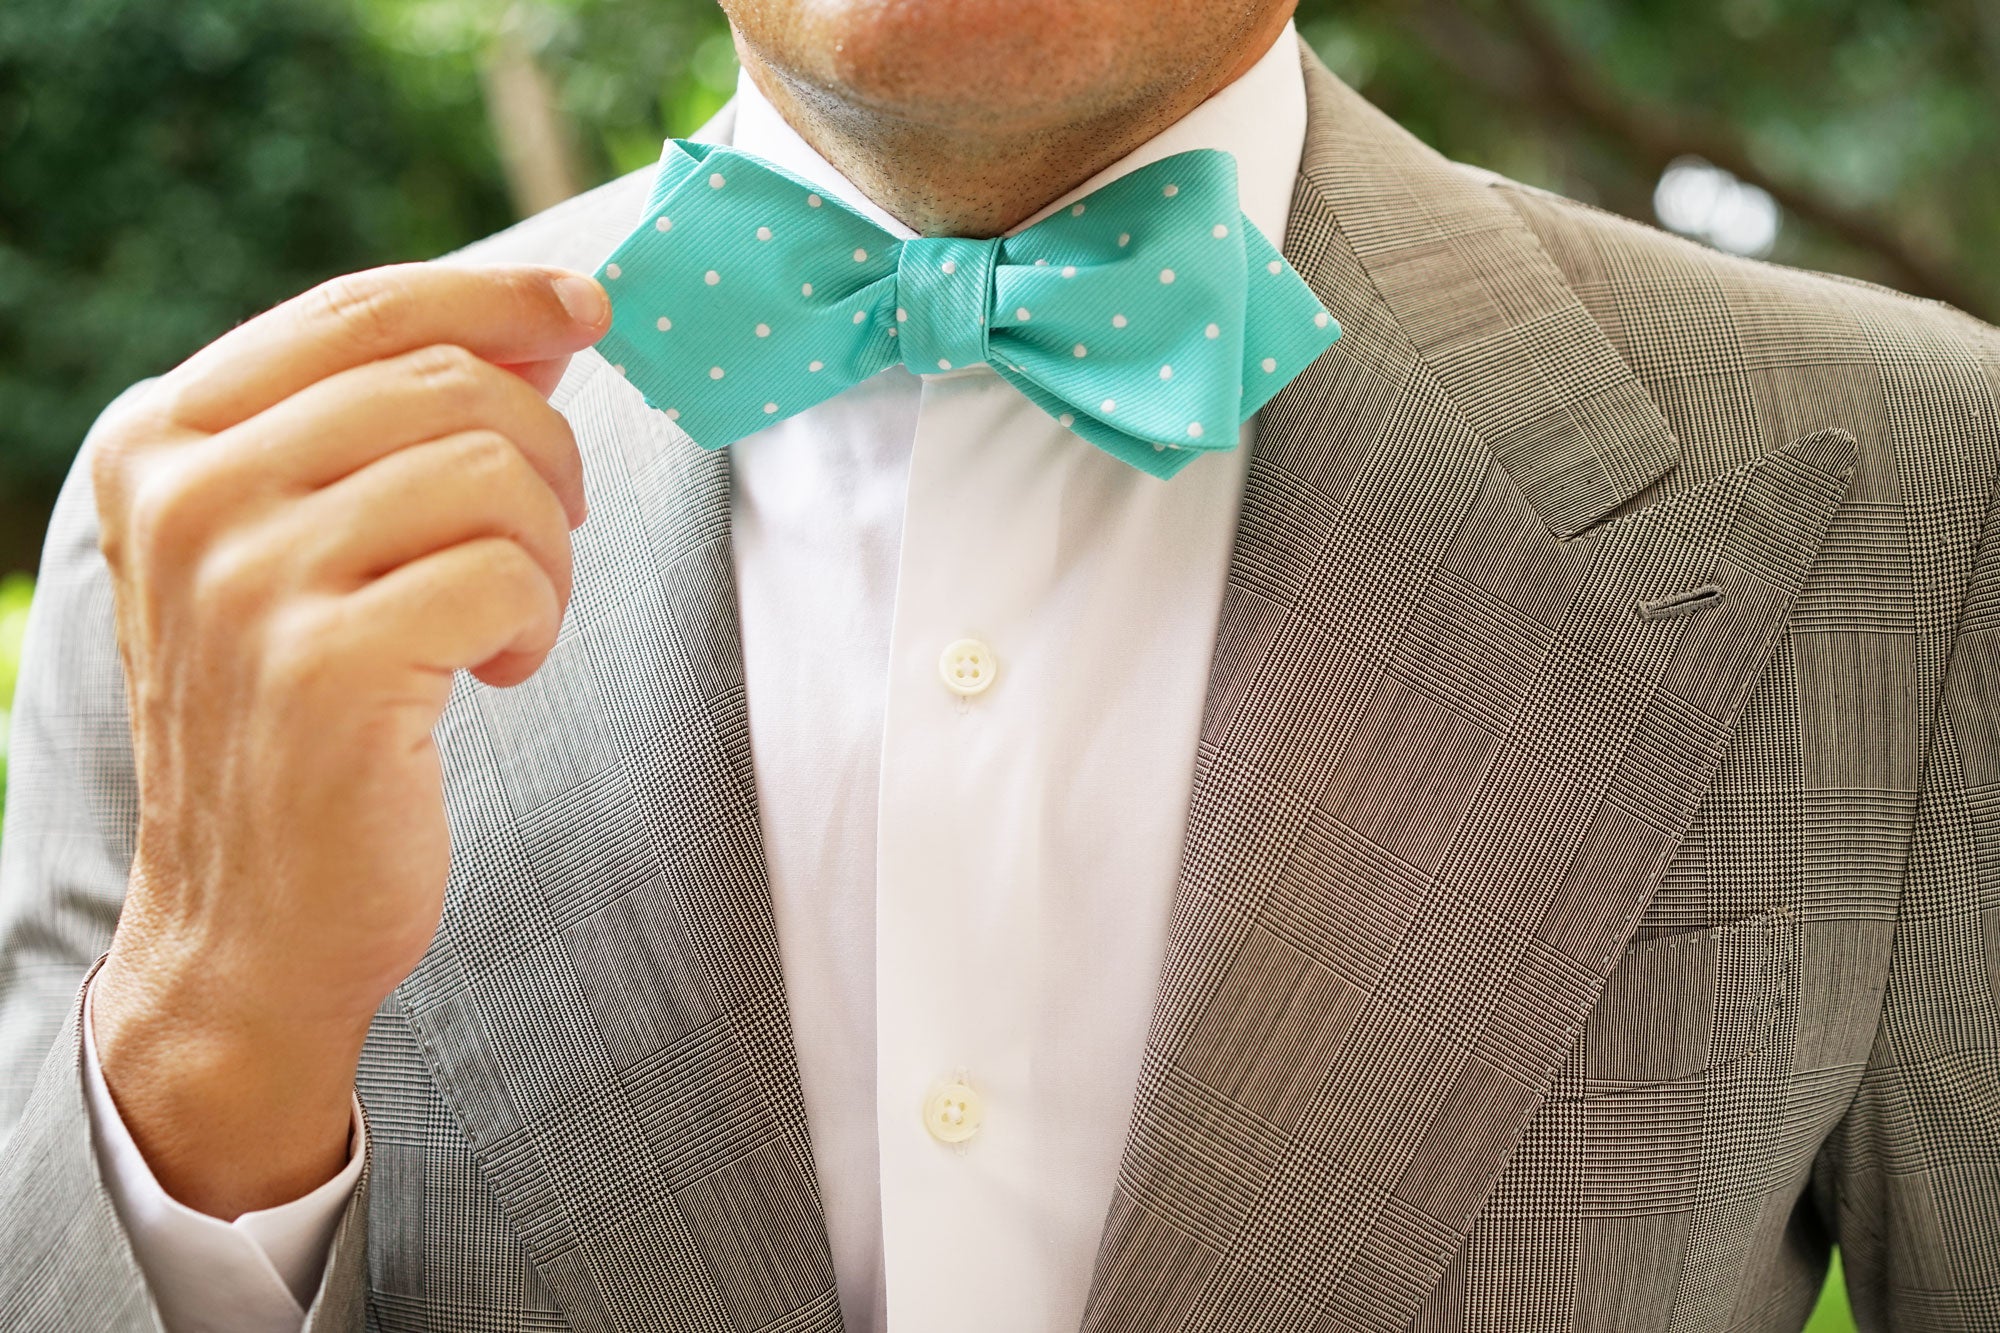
(1678, 1005)
(1665, 1148)
(1678, 1082)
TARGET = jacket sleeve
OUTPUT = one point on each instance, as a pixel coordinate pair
(65, 851)
(1909, 1180)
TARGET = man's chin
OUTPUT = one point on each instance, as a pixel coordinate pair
(977, 65)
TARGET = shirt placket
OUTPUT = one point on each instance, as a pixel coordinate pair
(961, 862)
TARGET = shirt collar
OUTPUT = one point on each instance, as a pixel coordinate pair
(1259, 118)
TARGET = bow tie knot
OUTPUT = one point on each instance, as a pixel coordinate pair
(1150, 317)
(943, 286)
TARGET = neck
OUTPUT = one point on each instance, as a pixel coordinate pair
(968, 180)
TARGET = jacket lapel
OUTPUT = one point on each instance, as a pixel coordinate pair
(1445, 757)
(602, 1008)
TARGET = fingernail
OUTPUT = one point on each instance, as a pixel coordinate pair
(584, 299)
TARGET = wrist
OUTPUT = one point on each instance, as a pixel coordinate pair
(234, 1106)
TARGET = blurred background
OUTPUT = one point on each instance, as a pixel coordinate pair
(169, 167)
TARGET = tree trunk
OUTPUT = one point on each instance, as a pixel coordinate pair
(535, 139)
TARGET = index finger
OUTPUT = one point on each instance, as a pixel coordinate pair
(504, 313)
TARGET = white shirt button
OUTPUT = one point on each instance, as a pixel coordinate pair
(968, 666)
(952, 1112)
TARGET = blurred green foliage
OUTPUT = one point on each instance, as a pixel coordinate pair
(1833, 1314)
(167, 169)
(15, 591)
(170, 167)
(1875, 122)
(627, 73)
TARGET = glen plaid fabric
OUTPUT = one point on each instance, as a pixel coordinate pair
(1590, 906)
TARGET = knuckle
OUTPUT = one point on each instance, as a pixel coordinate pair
(571, 453)
(120, 451)
(527, 287)
(509, 560)
(297, 653)
(525, 507)
(520, 580)
(163, 406)
(362, 309)
(486, 458)
(447, 369)
(289, 667)
(121, 431)
(232, 580)
(167, 515)
(553, 515)
(109, 461)
(124, 432)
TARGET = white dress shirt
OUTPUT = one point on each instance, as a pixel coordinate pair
(971, 878)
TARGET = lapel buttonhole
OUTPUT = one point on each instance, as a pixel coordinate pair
(1680, 603)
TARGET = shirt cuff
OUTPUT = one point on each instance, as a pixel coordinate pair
(256, 1274)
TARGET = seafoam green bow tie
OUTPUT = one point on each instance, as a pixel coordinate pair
(1151, 317)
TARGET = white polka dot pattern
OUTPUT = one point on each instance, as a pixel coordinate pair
(793, 297)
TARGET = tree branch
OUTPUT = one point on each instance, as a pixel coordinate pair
(1655, 139)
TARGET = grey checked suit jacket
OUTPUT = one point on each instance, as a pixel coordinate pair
(1590, 904)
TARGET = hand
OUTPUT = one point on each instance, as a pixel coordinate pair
(310, 525)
